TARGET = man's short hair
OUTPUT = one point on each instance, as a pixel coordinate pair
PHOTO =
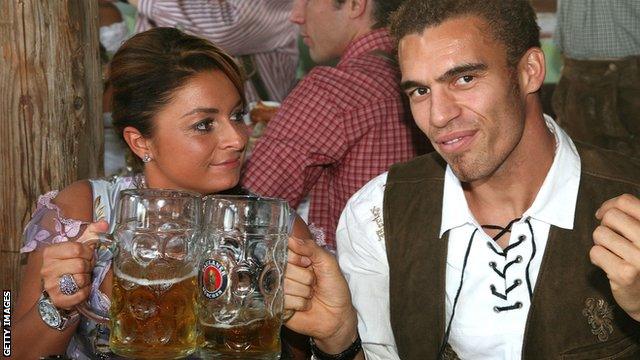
(382, 10)
(512, 22)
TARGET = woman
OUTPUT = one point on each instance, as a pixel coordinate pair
(178, 103)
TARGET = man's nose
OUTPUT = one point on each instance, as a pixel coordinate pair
(297, 12)
(444, 108)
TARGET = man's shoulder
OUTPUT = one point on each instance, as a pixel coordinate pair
(370, 193)
(379, 78)
(428, 167)
(610, 166)
(322, 84)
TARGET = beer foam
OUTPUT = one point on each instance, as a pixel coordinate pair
(229, 326)
(147, 282)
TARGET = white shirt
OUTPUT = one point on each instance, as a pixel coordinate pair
(477, 330)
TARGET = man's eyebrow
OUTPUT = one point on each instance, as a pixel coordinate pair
(461, 69)
(450, 74)
(409, 84)
(202, 110)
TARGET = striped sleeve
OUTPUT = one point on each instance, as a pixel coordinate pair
(260, 28)
(239, 26)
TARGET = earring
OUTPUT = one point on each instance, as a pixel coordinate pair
(146, 158)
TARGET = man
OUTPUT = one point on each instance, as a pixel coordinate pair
(598, 97)
(256, 32)
(485, 249)
(340, 126)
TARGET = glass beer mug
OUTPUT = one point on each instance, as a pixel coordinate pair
(153, 313)
(241, 276)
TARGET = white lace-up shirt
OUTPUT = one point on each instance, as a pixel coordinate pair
(492, 309)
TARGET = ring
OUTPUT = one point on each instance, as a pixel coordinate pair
(68, 285)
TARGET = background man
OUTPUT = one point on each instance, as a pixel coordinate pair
(488, 245)
(256, 32)
(340, 126)
(598, 97)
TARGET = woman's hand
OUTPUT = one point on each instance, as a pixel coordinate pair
(74, 258)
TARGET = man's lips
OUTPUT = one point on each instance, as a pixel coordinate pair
(455, 141)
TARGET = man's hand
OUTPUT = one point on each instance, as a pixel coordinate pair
(315, 287)
(617, 250)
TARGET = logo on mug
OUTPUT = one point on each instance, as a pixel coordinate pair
(213, 279)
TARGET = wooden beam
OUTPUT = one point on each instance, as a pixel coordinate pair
(50, 109)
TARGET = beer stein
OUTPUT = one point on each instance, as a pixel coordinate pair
(155, 246)
(241, 276)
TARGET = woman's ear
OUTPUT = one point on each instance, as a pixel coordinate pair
(138, 144)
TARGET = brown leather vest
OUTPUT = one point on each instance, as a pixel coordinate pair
(573, 314)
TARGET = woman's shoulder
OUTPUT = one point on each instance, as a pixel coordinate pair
(75, 201)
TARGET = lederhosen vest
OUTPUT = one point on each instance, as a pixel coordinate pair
(573, 314)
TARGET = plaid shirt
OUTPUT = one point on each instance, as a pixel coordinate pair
(339, 128)
(596, 29)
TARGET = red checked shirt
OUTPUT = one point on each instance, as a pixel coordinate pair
(339, 128)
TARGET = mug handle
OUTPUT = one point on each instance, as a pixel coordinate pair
(102, 241)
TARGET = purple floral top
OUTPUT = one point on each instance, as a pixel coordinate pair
(49, 226)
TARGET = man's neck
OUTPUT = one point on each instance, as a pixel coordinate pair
(511, 189)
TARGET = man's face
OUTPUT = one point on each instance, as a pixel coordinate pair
(322, 27)
(463, 95)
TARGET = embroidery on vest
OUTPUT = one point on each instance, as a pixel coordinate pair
(599, 314)
(449, 353)
(377, 218)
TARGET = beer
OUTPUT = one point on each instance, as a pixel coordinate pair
(258, 339)
(240, 277)
(153, 317)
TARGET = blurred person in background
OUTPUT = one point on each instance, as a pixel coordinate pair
(341, 125)
(113, 32)
(256, 32)
(597, 99)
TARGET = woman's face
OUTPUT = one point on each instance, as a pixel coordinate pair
(199, 137)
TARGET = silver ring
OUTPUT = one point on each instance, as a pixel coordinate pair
(68, 285)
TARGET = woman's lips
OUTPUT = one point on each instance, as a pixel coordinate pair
(228, 164)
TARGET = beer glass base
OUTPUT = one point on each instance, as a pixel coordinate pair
(207, 354)
(151, 354)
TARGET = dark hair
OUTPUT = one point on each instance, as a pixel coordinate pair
(382, 10)
(148, 69)
(512, 22)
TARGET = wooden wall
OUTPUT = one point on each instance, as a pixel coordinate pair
(544, 5)
(50, 110)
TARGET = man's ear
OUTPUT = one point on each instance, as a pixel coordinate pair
(357, 8)
(138, 144)
(532, 71)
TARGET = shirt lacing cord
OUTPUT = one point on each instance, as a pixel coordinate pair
(518, 259)
(518, 304)
(445, 340)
